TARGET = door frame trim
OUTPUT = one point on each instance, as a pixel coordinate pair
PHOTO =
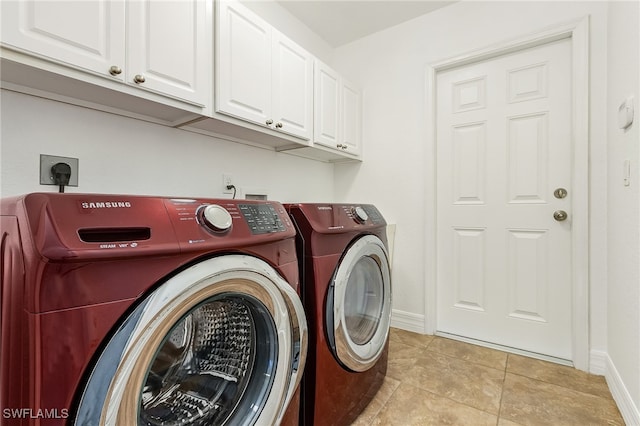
(578, 32)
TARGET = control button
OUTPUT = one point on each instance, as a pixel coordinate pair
(215, 218)
(261, 218)
(359, 214)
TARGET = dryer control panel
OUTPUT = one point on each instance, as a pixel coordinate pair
(337, 218)
(364, 214)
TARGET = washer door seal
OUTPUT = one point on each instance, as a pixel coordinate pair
(358, 308)
(221, 342)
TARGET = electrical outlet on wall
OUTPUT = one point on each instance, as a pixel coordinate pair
(626, 172)
(227, 180)
(48, 161)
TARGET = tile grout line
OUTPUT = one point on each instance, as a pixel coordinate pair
(504, 379)
(426, 349)
(505, 370)
(453, 400)
(559, 385)
(374, 416)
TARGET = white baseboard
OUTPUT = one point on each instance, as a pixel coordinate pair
(621, 396)
(407, 321)
(598, 362)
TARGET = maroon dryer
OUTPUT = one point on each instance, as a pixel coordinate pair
(346, 292)
(124, 310)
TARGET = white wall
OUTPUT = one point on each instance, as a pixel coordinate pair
(123, 155)
(290, 26)
(624, 201)
(390, 66)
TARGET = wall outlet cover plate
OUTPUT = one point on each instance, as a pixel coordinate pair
(47, 161)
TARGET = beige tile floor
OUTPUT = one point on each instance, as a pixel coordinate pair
(437, 381)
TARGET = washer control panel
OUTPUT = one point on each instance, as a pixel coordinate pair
(261, 218)
(201, 224)
(214, 218)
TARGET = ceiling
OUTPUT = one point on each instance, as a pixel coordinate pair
(339, 22)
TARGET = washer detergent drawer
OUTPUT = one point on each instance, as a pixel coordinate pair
(81, 227)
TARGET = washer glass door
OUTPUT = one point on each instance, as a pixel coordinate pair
(218, 358)
(222, 342)
(359, 304)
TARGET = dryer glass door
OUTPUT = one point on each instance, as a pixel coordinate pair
(359, 304)
(222, 342)
(364, 300)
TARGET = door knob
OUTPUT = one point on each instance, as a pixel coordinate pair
(139, 78)
(560, 193)
(560, 215)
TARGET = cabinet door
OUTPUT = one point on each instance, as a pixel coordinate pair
(169, 47)
(292, 74)
(327, 106)
(243, 63)
(351, 118)
(89, 35)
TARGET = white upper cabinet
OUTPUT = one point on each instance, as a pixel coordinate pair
(261, 76)
(160, 46)
(351, 118)
(338, 107)
(84, 34)
(154, 60)
(169, 47)
(292, 93)
(327, 106)
(243, 63)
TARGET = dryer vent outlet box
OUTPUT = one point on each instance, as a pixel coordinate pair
(262, 197)
(48, 161)
(255, 193)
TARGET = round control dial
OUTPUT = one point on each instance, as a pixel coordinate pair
(359, 214)
(215, 218)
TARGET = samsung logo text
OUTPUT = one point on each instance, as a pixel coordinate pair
(107, 205)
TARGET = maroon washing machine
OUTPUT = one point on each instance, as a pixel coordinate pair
(129, 310)
(346, 292)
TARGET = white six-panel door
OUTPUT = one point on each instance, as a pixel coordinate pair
(503, 148)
